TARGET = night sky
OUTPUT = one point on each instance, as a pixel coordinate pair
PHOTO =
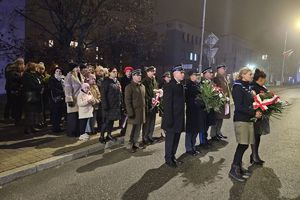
(262, 22)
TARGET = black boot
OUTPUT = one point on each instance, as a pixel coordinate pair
(110, 137)
(245, 173)
(102, 139)
(254, 159)
(235, 173)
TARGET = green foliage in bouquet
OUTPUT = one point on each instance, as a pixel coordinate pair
(213, 97)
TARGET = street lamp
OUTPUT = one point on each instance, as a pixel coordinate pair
(284, 52)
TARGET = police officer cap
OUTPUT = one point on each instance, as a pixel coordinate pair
(151, 68)
(177, 68)
(136, 72)
(207, 69)
(166, 74)
(192, 72)
(221, 65)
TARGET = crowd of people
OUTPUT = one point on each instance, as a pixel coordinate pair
(91, 99)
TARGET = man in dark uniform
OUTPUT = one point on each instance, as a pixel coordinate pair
(209, 116)
(173, 118)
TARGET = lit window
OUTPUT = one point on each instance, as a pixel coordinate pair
(97, 48)
(73, 44)
(97, 57)
(195, 57)
(50, 43)
(191, 56)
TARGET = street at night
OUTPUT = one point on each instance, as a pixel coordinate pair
(118, 174)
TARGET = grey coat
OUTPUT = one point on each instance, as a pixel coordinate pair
(135, 103)
(72, 86)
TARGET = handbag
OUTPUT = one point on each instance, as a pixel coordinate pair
(56, 99)
(31, 97)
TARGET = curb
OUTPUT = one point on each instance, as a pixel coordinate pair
(14, 174)
(11, 175)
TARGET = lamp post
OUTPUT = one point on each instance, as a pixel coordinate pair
(284, 56)
(202, 34)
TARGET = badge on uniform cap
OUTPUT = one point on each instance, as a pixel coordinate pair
(207, 69)
(136, 72)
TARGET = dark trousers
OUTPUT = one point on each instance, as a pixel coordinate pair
(82, 125)
(16, 107)
(190, 141)
(57, 112)
(171, 145)
(99, 117)
(107, 126)
(8, 105)
(216, 129)
(72, 124)
(148, 127)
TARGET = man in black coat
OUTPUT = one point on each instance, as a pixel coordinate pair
(173, 118)
(194, 113)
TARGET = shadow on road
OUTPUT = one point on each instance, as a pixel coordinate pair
(193, 171)
(113, 157)
(263, 184)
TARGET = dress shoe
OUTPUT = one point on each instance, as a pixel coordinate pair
(171, 164)
(216, 138)
(110, 137)
(178, 162)
(134, 149)
(192, 153)
(222, 136)
(102, 140)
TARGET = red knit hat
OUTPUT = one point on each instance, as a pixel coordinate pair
(128, 68)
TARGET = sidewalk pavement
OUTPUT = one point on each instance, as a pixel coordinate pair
(22, 155)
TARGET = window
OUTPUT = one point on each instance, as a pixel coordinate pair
(191, 56)
(195, 57)
(97, 57)
(73, 44)
(188, 37)
(97, 48)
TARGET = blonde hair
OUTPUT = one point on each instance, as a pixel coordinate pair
(106, 73)
(242, 71)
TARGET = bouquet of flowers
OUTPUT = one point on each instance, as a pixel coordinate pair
(156, 102)
(269, 104)
(212, 96)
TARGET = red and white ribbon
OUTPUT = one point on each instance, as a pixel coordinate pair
(263, 105)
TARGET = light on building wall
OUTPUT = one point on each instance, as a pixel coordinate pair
(191, 56)
(51, 43)
(73, 44)
(264, 57)
(195, 57)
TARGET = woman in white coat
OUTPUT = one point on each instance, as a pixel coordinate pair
(73, 82)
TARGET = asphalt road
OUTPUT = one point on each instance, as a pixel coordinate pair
(117, 174)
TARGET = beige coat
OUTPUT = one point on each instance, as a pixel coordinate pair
(72, 86)
(85, 108)
(135, 103)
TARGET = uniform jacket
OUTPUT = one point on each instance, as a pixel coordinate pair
(173, 104)
(85, 109)
(72, 89)
(135, 103)
(195, 114)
